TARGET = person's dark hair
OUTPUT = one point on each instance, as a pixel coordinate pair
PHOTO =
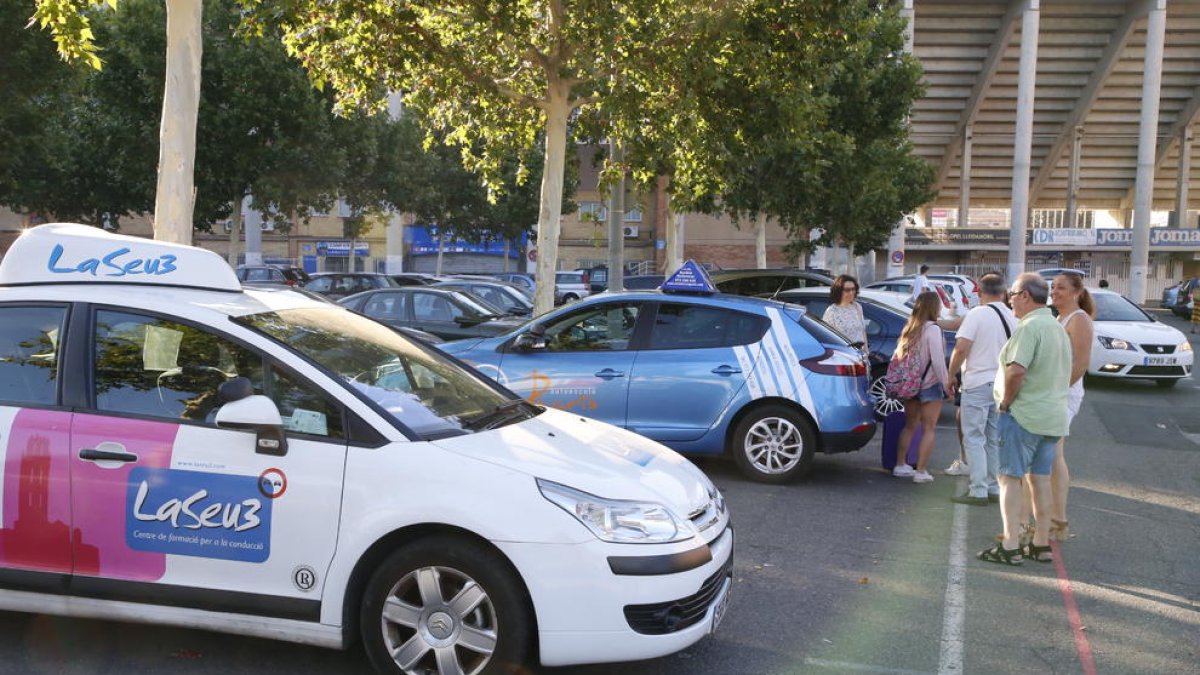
(1035, 286)
(924, 269)
(992, 283)
(839, 285)
(1104, 283)
(1085, 299)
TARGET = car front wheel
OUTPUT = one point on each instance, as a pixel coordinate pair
(446, 606)
(774, 444)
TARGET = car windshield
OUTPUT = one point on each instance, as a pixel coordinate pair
(433, 397)
(1117, 308)
(477, 305)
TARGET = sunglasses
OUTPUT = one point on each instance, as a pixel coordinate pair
(1013, 294)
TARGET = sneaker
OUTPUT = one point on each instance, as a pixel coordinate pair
(922, 477)
(972, 501)
(903, 471)
(958, 468)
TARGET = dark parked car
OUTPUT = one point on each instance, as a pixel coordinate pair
(519, 279)
(415, 279)
(506, 297)
(427, 338)
(272, 274)
(765, 283)
(338, 285)
(884, 325)
(643, 282)
(448, 314)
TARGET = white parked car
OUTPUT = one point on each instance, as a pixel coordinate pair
(179, 450)
(1132, 344)
(951, 308)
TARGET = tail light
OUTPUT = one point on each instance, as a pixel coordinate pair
(944, 297)
(976, 285)
(290, 282)
(836, 363)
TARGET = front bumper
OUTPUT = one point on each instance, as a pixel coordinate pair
(584, 610)
(1138, 364)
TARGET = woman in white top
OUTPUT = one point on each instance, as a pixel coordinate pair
(1075, 311)
(845, 314)
(922, 334)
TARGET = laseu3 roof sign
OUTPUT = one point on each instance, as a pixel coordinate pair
(70, 253)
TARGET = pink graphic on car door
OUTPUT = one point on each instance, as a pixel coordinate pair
(99, 492)
(36, 529)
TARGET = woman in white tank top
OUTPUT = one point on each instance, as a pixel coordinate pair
(1075, 311)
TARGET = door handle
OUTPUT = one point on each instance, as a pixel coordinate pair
(726, 370)
(609, 373)
(94, 455)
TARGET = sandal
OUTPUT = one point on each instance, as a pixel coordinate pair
(1042, 554)
(1002, 556)
(1059, 529)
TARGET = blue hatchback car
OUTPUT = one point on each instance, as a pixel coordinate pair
(702, 374)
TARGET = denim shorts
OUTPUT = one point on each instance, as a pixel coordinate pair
(1021, 452)
(934, 393)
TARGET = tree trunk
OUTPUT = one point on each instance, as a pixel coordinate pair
(674, 244)
(395, 244)
(760, 242)
(507, 244)
(616, 223)
(254, 254)
(174, 198)
(351, 258)
(550, 214)
(235, 230)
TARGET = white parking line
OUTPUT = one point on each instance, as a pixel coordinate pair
(951, 660)
(845, 667)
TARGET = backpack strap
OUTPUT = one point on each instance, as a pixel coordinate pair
(1007, 332)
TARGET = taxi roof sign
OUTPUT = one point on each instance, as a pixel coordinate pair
(689, 278)
(69, 253)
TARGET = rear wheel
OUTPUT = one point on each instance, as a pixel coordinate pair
(570, 297)
(774, 444)
(446, 606)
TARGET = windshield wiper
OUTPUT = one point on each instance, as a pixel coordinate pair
(496, 416)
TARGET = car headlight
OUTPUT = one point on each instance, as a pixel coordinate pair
(1115, 343)
(1185, 347)
(616, 520)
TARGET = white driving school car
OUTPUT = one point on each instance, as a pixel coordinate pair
(1132, 344)
(176, 449)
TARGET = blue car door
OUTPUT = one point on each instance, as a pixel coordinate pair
(688, 372)
(585, 364)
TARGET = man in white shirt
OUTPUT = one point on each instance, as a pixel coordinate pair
(920, 283)
(982, 334)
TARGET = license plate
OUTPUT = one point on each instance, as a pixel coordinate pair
(721, 604)
(1159, 361)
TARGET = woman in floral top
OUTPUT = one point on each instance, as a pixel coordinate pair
(845, 314)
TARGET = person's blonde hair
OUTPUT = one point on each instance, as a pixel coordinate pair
(927, 308)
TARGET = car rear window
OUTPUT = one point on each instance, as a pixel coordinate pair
(679, 326)
(569, 278)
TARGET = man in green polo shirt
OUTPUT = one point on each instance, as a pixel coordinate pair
(1031, 395)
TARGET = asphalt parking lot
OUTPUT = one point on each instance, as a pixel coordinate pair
(854, 571)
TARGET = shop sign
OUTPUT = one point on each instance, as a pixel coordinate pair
(956, 236)
(424, 241)
(1163, 237)
(1068, 236)
(342, 248)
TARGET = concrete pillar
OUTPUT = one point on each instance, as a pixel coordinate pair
(616, 224)
(395, 244)
(895, 246)
(1073, 179)
(1143, 192)
(1023, 142)
(964, 186)
(1185, 175)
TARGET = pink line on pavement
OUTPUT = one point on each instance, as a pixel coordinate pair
(1086, 662)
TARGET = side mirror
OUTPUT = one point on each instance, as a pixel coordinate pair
(258, 414)
(528, 342)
